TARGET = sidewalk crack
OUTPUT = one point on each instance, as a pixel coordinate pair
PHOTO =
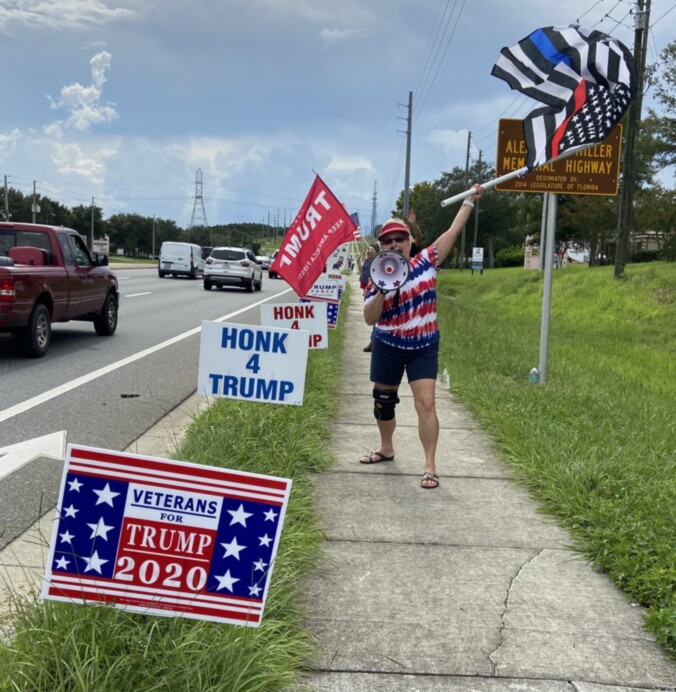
(505, 610)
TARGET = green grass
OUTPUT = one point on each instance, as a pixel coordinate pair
(596, 444)
(63, 647)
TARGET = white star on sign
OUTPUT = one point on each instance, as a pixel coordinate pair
(70, 511)
(233, 548)
(265, 540)
(100, 530)
(254, 590)
(240, 516)
(94, 562)
(75, 485)
(62, 563)
(270, 515)
(226, 581)
(66, 537)
(106, 495)
(260, 565)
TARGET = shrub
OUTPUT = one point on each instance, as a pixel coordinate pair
(510, 257)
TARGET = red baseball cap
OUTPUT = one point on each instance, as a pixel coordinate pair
(394, 226)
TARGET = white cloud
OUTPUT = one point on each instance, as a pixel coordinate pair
(336, 36)
(73, 159)
(340, 163)
(8, 143)
(449, 141)
(59, 14)
(83, 102)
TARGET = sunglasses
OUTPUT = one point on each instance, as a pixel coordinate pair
(395, 239)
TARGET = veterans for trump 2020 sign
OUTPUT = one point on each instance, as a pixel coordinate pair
(244, 361)
(164, 537)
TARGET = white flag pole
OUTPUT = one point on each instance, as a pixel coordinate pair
(513, 174)
(486, 186)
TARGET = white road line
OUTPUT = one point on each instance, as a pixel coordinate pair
(136, 295)
(78, 382)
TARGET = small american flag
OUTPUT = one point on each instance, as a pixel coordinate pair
(332, 308)
(357, 230)
(165, 537)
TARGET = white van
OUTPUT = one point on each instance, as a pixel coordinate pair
(180, 259)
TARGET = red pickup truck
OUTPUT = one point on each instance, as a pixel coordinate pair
(48, 275)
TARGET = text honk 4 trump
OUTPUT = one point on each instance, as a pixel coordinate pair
(252, 363)
(308, 316)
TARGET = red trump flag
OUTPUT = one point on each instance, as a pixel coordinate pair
(321, 225)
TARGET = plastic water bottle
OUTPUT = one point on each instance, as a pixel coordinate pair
(446, 379)
(534, 376)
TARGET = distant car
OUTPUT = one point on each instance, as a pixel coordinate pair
(271, 274)
(263, 261)
(233, 266)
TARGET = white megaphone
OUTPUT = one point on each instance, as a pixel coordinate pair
(389, 270)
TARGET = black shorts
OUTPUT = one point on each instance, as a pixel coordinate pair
(389, 363)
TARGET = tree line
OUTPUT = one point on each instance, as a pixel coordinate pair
(134, 234)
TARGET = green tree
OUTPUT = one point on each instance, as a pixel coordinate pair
(588, 220)
(80, 219)
(134, 234)
(665, 126)
(655, 212)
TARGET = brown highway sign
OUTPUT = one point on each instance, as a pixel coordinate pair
(593, 171)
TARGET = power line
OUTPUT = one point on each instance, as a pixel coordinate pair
(441, 60)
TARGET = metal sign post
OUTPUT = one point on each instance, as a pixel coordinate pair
(548, 258)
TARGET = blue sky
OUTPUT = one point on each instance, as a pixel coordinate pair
(123, 100)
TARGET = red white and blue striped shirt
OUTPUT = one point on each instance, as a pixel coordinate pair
(411, 324)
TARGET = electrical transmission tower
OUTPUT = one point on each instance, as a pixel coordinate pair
(199, 213)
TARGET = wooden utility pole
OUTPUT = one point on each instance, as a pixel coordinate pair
(461, 254)
(407, 174)
(6, 200)
(476, 211)
(91, 237)
(642, 20)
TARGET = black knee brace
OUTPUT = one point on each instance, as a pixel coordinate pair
(385, 401)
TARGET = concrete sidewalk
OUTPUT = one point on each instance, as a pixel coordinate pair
(464, 587)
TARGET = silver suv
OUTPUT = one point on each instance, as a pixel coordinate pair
(232, 266)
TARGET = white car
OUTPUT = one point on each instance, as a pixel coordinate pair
(232, 266)
(263, 261)
(180, 259)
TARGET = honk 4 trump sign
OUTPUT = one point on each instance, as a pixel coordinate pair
(164, 537)
(308, 316)
(244, 361)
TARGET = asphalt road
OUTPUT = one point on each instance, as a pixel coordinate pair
(107, 391)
